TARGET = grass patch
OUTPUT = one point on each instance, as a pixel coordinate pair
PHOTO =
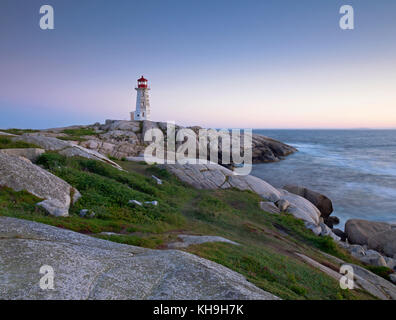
(19, 131)
(383, 272)
(8, 143)
(80, 132)
(77, 134)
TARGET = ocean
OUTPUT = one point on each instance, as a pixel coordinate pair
(356, 169)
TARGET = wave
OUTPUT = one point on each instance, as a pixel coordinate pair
(336, 156)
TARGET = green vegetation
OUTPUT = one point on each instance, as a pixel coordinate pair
(80, 132)
(7, 143)
(267, 242)
(19, 131)
(77, 134)
(383, 272)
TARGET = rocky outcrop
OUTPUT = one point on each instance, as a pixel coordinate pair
(320, 201)
(91, 268)
(269, 150)
(20, 174)
(66, 148)
(29, 153)
(378, 236)
(369, 256)
(122, 139)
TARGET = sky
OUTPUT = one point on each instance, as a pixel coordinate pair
(219, 63)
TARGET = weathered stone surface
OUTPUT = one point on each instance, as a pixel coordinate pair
(300, 207)
(122, 139)
(378, 236)
(391, 263)
(320, 201)
(29, 153)
(43, 141)
(374, 260)
(331, 221)
(313, 227)
(269, 150)
(91, 268)
(269, 207)
(326, 231)
(384, 242)
(283, 205)
(374, 284)
(188, 240)
(214, 176)
(393, 277)
(20, 174)
(125, 125)
(340, 233)
(357, 251)
(359, 231)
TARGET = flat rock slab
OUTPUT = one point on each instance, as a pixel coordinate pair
(189, 240)
(29, 153)
(90, 268)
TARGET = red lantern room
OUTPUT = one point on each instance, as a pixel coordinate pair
(142, 82)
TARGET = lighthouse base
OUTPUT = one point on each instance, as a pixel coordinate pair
(135, 116)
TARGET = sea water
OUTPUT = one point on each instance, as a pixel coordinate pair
(356, 169)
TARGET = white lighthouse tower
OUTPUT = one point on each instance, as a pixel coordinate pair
(142, 101)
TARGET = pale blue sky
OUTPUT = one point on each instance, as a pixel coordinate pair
(219, 63)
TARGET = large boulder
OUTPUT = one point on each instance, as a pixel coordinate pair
(21, 174)
(379, 236)
(359, 231)
(384, 242)
(320, 201)
(90, 268)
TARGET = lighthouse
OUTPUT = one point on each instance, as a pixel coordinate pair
(142, 111)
